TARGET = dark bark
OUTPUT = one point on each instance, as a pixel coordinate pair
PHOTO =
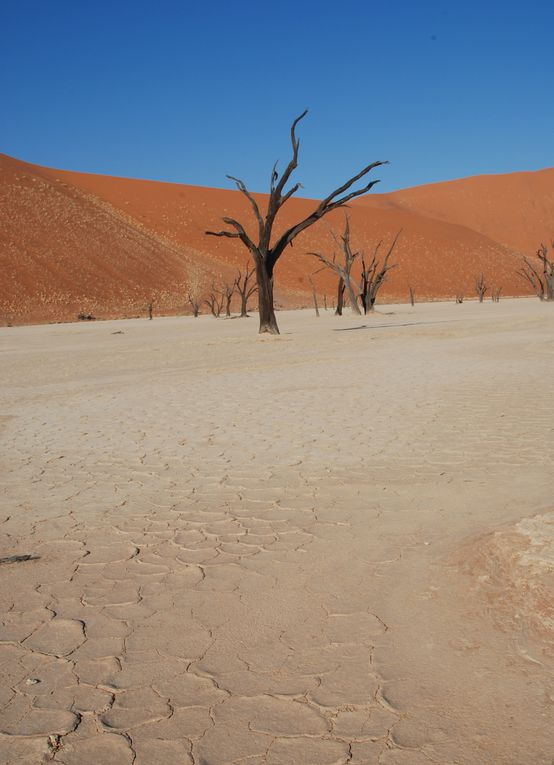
(547, 271)
(340, 296)
(266, 251)
(374, 275)
(268, 322)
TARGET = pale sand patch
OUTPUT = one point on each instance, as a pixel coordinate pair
(316, 548)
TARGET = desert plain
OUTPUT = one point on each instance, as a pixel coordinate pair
(332, 546)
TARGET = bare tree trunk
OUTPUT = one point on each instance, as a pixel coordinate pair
(364, 289)
(314, 295)
(412, 296)
(325, 301)
(243, 305)
(227, 292)
(353, 298)
(340, 297)
(268, 322)
(548, 271)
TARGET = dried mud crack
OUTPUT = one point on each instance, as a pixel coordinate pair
(210, 584)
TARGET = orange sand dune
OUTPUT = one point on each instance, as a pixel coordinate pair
(72, 242)
(516, 209)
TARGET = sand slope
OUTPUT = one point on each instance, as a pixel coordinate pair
(73, 242)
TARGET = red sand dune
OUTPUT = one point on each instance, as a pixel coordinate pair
(516, 209)
(72, 242)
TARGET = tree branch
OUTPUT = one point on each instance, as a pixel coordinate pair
(241, 186)
(293, 164)
(289, 193)
(229, 234)
(274, 177)
(332, 264)
(350, 182)
(391, 248)
(325, 207)
(239, 234)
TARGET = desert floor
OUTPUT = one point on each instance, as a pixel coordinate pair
(333, 546)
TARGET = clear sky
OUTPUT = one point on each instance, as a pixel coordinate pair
(190, 91)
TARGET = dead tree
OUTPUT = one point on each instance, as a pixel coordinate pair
(342, 269)
(460, 298)
(412, 295)
(228, 290)
(531, 274)
(542, 283)
(340, 296)
(495, 294)
(215, 301)
(547, 270)
(480, 287)
(150, 310)
(195, 304)
(246, 288)
(195, 293)
(266, 251)
(314, 295)
(374, 275)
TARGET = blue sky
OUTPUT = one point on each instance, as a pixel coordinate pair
(187, 92)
